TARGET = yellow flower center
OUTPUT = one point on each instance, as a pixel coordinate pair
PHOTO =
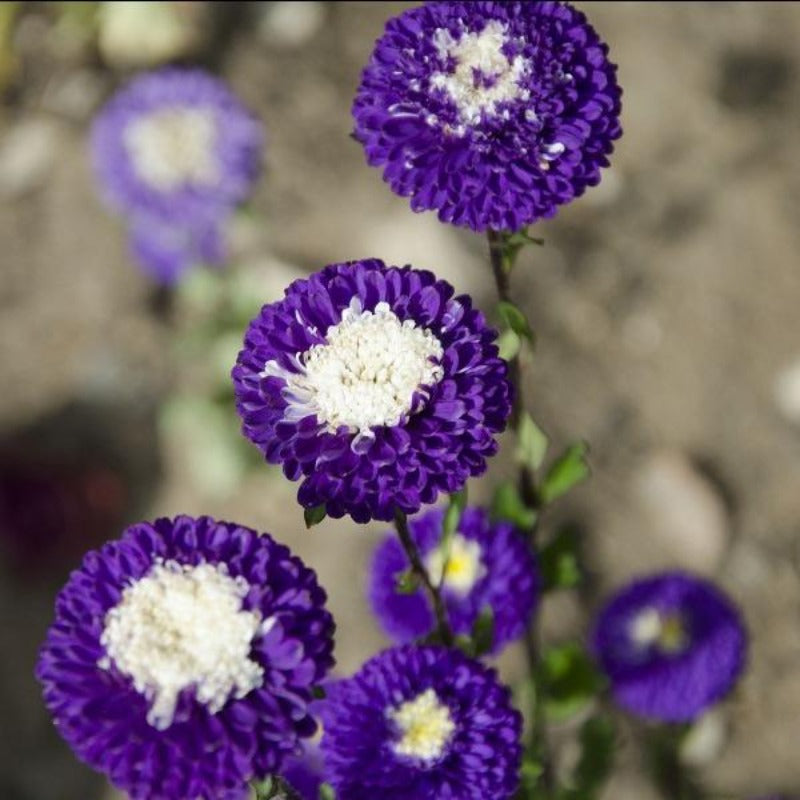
(425, 726)
(457, 566)
(666, 631)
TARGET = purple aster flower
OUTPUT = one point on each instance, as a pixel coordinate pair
(672, 645)
(176, 145)
(423, 723)
(175, 151)
(183, 657)
(487, 565)
(374, 384)
(492, 113)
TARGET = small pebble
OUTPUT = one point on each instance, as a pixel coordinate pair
(787, 392)
(27, 155)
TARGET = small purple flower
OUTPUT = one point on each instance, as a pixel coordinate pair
(376, 385)
(182, 659)
(672, 645)
(176, 151)
(423, 723)
(176, 145)
(488, 565)
(492, 113)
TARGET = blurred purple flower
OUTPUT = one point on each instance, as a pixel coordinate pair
(176, 152)
(671, 645)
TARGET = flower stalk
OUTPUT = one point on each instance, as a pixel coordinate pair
(502, 256)
(418, 568)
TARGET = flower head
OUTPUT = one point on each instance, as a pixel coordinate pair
(175, 151)
(492, 113)
(485, 565)
(421, 722)
(183, 657)
(177, 145)
(672, 645)
(375, 385)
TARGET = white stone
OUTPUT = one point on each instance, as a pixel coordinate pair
(27, 155)
(787, 392)
(458, 569)
(706, 740)
(143, 34)
(683, 515)
(292, 23)
(75, 94)
(366, 374)
(421, 240)
(425, 725)
(183, 627)
(480, 52)
(174, 147)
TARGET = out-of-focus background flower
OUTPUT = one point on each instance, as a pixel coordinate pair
(665, 301)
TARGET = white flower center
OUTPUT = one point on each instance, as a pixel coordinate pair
(180, 627)
(666, 631)
(460, 568)
(174, 147)
(366, 374)
(425, 725)
(483, 77)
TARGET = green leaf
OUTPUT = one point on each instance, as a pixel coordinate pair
(508, 343)
(531, 443)
(458, 502)
(569, 678)
(326, 792)
(559, 561)
(515, 320)
(521, 238)
(568, 470)
(463, 643)
(406, 582)
(264, 788)
(483, 631)
(313, 516)
(598, 740)
(530, 774)
(507, 505)
(275, 788)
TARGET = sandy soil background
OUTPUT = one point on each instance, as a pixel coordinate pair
(665, 302)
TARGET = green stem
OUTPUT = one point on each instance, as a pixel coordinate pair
(502, 259)
(502, 262)
(439, 610)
